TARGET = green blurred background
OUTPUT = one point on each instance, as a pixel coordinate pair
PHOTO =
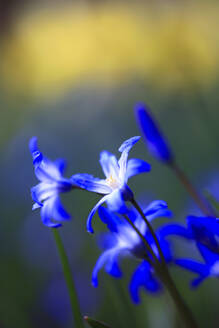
(71, 72)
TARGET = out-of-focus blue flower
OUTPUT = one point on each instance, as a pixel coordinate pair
(204, 231)
(117, 173)
(46, 193)
(157, 144)
(122, 240)
(204, 270)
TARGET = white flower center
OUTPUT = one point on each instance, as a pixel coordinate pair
(113, 182)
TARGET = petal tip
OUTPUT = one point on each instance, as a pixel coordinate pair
(33, 144)
(128, 144)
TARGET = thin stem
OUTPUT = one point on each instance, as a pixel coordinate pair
(95, 323)
(147, 245)
(200, 201)
(138, 208)
(183, 309)
(69, 280)
(163, 273)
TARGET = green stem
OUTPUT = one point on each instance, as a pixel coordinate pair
(138, 208)
(163, 273)
(69, 280)
(181, 306)
(95, 323)
(200, 201)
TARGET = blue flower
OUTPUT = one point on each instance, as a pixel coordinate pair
(204, 232)
(117, 173)
(157, 144)
(122, 240)
(46, 193)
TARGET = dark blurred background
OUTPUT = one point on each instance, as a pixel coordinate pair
(71, 72)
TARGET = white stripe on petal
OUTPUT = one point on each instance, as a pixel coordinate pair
(109, 164)
(88, 182)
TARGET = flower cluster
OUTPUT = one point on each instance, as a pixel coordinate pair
(124, 241)
(131, 231)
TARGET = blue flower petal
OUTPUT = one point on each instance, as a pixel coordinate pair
(106, 256)
(136, 166)
(204, 230)
(193, 266)
(132, 214)
(154, 206)
(157, 208)
(114, 270)
(58, 211)
(110, 219)
(175, 229)
(47, 213)
(107, 240)
(203, 227)
(111, 265)
(33, 145)
(43, 191)
(124, 149)
(60, 164)
(143, 277)
(88, 182)
(210, 223)
(197, 281)
(36, 154)
(52, 210)
(93, 211)
(128, 144)
(209, 256)
(157, 145)
(47, 170)
(153, 285)
(115, 202)
(109, 164)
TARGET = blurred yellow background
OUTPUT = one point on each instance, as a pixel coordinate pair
(168, 44)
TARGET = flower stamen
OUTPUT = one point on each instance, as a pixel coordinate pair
(112, 182)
